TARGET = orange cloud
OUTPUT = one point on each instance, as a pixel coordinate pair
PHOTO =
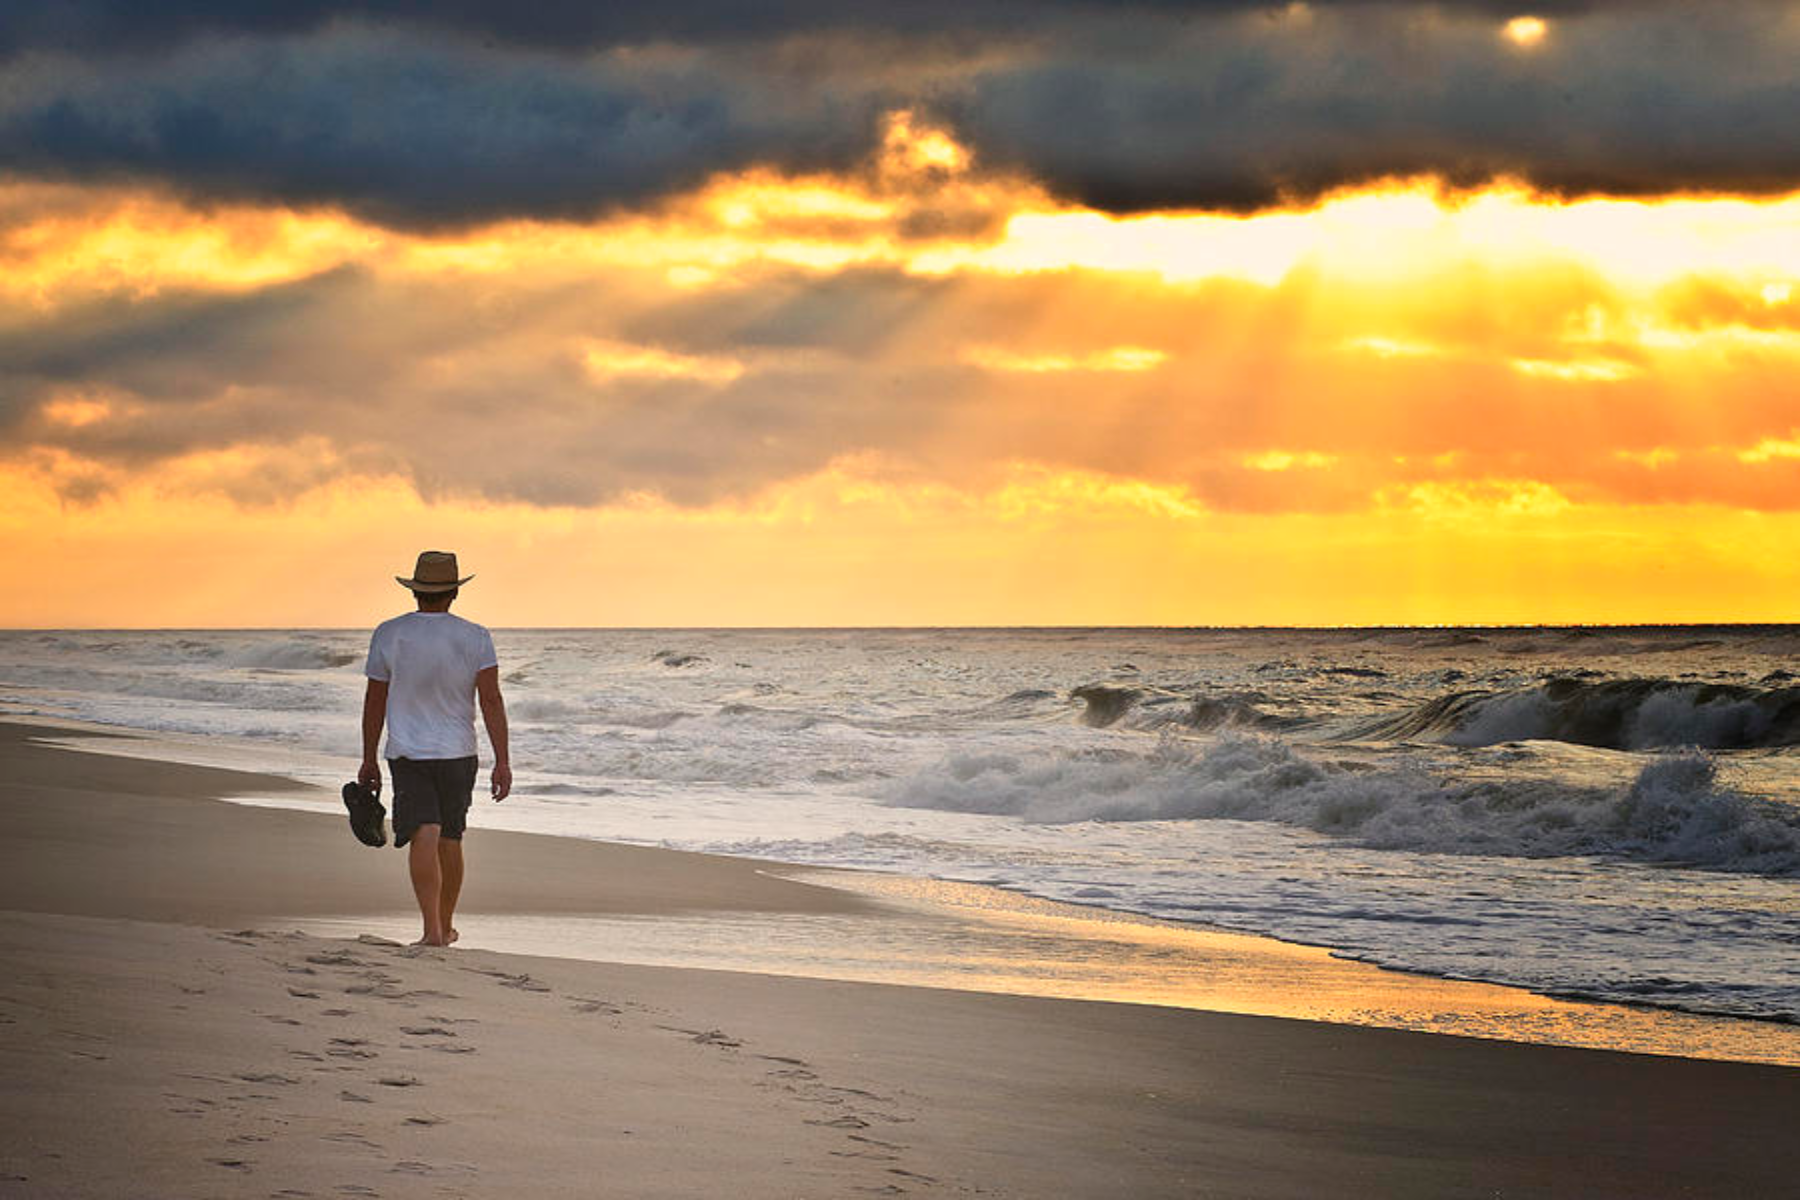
(927, 365)
(62, 244)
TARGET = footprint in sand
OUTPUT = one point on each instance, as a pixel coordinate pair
(388, 991)
(585, 1005)
(337, 958)
(905, 1174)
(412, 1167)
(350, 1048)
(796, 1079)
(188, 1106)
(523, 982)
(706, 1037)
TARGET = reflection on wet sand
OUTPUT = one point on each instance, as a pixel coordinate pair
(934, 933)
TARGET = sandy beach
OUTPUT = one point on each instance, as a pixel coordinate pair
(164, 1032)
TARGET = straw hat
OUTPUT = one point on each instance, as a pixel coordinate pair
(436, 572)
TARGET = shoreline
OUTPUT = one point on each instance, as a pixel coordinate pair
(189, 1055)
(688, 909)
(110, 873)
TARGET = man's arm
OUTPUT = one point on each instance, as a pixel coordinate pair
(374, 717)
(493, 715)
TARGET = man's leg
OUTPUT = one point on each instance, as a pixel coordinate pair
(428, 883)
(450, 869)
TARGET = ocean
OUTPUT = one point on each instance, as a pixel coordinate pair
(1592, 813)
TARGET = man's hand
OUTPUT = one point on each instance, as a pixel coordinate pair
(374, 716)
(493, 715)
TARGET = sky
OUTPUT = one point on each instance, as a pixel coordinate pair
(925, 313)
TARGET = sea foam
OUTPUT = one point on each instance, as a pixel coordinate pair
(1620, 714)
(1674, 811)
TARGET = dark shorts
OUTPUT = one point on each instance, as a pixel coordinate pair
(431, 791)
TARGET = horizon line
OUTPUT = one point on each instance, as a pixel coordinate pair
(1210, 628)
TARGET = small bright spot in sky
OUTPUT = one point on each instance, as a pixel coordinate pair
(1777, 293)
(1526, 31)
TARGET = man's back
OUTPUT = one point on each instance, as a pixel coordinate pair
(426, 671)
(429, 661)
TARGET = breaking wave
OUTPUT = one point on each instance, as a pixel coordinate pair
(1673, 812)
(1614, 714)
(1145, 707)
(678, 658)
(295, 655)
(1617, 714)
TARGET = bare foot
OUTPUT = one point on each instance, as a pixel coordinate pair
(425, 941)
(454, 934)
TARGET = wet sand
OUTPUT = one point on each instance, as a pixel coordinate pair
(162, 1033)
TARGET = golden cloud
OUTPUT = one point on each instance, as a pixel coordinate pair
(924, 348)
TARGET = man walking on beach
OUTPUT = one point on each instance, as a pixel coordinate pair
(426, 671)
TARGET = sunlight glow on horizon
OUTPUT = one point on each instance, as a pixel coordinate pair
(1466, 555)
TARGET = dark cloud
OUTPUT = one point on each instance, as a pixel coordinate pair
(574, 25)
(410, 134)
(426, 114)
(1641, 101)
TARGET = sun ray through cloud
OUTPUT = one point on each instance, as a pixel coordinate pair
(927, 317)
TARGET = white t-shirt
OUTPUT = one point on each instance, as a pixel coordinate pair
(429, 661)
